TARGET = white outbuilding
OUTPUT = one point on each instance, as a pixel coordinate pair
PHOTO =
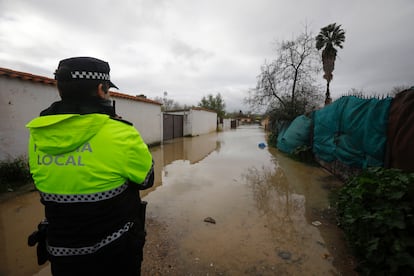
(191, 122)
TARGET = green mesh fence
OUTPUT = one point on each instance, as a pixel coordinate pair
(353, 131)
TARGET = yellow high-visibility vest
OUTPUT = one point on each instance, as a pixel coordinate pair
(83, 154)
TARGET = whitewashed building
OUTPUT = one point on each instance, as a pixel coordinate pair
(24, 95)
(200, 121)
(195, 121)
(144, 113)
(224, 124)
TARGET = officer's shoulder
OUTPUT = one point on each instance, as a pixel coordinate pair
(122, 121)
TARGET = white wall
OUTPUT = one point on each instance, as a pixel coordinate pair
(187, 124)
(226, 124)
(20, 102)
(146, 117)
(202, 121)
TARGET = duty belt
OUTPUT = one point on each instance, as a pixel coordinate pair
(70, 251)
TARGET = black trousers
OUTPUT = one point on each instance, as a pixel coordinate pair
(121, 257)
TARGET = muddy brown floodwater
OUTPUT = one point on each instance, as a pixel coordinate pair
(271, 213)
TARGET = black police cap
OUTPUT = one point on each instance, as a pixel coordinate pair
(83, 68)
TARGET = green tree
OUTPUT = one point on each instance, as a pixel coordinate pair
(215, 103)
(328, 38)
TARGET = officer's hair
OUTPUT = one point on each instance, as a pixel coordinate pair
(79, 89)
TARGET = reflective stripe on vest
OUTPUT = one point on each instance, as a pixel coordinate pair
(84, 197)
(69, 251)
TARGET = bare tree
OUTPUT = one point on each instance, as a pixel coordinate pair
(168, 104)
(293, 71)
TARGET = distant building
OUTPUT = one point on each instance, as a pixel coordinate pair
(190, 122)
(224, 124)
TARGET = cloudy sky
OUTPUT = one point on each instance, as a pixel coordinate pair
(192, 48)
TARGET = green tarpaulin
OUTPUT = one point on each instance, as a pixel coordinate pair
(295, 135)
(352, 130)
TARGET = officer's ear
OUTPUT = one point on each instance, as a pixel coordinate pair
(103, 90)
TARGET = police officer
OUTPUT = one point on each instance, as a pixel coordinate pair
(88, 167)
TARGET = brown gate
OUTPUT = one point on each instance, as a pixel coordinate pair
(173, 126)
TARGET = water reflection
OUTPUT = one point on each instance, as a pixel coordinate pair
(271, 191)
(191, 149)
(283, 210)
(290, 195)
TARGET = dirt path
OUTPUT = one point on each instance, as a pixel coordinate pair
(161, 256)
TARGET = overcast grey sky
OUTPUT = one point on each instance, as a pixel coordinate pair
(192, 48)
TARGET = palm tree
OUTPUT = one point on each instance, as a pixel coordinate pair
(329, 37)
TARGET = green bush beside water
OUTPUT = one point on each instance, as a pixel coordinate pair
(376, 211)
(14, 174)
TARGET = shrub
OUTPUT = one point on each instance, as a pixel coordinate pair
(13, 174)
(272, 139)
(375, 210)
(304, 154)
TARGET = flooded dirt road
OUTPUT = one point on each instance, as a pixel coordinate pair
(271, 213)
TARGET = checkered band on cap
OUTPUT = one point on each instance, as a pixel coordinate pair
(89, 75)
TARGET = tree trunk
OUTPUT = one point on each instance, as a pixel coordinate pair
(295, 79)
(328, 61)
(328, 99)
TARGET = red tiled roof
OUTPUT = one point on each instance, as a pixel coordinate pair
(134, 98)
(40, 79)
(26, 76)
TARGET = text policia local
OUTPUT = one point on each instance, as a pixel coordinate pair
(72, 159)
